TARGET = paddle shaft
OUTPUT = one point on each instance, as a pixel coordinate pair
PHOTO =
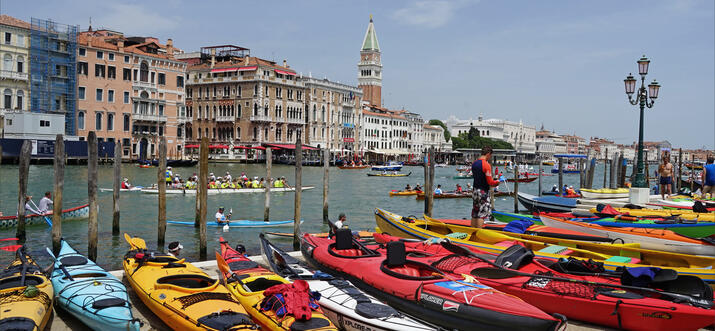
(62, 267)
(47, 219)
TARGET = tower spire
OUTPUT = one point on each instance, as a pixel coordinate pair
(370, 67)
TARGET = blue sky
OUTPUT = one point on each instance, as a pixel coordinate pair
(560, 63)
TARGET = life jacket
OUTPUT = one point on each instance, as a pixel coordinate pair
(212, 185)
(255, 184)
(294, 299)
(124, 185)
(188, 185)
(224, 185)
(168, 176)
(238, 185)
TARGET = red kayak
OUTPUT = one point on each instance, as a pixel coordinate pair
(522, 180)
(536, 230)
(586, 298)
(421, 290)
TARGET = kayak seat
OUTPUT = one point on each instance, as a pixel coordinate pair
(74, 260)
(343, 239)
(242, 265)
(311, 324)
(11, 282)
(187, 281)
(225, 320)
(261, 284)
(17, 323)
(397, 265)
(107, 303)
(514, 257)
(413, 272)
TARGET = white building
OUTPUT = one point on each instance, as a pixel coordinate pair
(384, 132)
(519, 135)
(36, 126)
(434, 137)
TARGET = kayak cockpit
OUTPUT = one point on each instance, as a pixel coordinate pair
(11, 282)
(187, 281)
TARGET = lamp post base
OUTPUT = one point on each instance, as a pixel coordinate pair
(640, 181)
(638, 195)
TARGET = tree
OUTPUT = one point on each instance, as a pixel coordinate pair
(447, 135)
(472, 139)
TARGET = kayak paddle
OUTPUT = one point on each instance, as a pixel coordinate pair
(62, 267)
(11, 248)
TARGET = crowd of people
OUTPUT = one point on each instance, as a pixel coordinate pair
(175, 181)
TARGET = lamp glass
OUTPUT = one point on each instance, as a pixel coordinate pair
(643, 65)
(653, 89)
(630, 84)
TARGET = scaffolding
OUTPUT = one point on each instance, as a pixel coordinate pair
(53, 70)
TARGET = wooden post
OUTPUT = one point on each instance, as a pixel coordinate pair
(624, 168)
(59, 165)
(516, 186)
(202, 193)
(92, 159)
(680, 169)
(117, 186)
(612, 175)
(22, 188)
(561, 176)
(269, 164)
(692, 173)
(430, 202)
(605, 169)
(427, 184)
(161, 185)
(591, 172)
(326, 183)
(540, 189)
(298, 189)
(0, 154)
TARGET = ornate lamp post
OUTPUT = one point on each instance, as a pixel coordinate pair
(641, 99)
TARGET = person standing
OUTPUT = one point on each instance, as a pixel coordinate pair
(709, 178)
(46, 203)
(482, 173)
(665, 170)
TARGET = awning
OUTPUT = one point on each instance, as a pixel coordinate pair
(218, 146)
(263, 148)
(248, 68)
(571, 156)
(224, 70)
(291, 146)
(192, 146)
(285, 72)
(241, 147)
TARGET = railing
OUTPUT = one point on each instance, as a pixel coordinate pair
(148, 118)
(295, 121)
(225, 118)
(143, 84)
(261, 118)
(13, 74)
(183, 119)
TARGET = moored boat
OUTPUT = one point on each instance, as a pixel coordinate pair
(536, 204)
(26, 295)
(75, 213)
(390, 175)
(446, 195)
(225, 190)
(355, 167)
(400, 193)
(523, 179)
(604, 193)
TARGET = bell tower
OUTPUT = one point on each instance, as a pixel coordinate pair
(370, 67)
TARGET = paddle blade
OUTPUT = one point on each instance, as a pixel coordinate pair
(136, 242)
(223, 266)
(11, 248)
(9, 239)
(49, 251)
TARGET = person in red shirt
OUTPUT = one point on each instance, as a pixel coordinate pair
(483, 182)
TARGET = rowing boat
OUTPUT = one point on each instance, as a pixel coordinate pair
(239, 223)
(357, 167)
(446, 195)
(390, 175)
(225, 190)
(75, 213)
(133, 189)
(523, 180)
(400, 193)
(604, 193)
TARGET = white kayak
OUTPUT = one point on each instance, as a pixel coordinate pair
(224, 190)
(348, 307)
(133, 189)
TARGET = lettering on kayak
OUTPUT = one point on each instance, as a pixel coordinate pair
(450, 306)
(350, 324)
(658, 314)
(431, 299)
(538, 282)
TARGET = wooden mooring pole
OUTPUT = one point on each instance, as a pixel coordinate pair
(92, 159)
(612, 175)
(202, 195)
(430, 199)
(680, 169)
(540, 175)
(562, 192)
(605, 169)
(59, 165)
(22, 188)
(161, 185)
(117, 186)
(326, 183)
(269, 164)
(427, 183)
(516, 186)
(298, 188)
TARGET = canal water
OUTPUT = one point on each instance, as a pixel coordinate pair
(351, 192)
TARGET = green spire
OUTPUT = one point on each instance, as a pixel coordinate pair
(370, 43)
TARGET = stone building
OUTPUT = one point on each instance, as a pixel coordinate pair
(14, 72)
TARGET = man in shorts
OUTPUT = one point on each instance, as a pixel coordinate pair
(665, 170)
(483, 182)
(709, 178)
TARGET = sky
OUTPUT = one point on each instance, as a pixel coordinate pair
(556, 63)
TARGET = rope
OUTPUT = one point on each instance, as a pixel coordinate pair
(19, 296)
(195, 298)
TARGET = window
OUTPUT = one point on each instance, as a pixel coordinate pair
(8, 38)
(144, 72)
(126, 97)
(99, 70)
(179, 81)
(111, 56)
(7, 96)
(99, 94)
(20, 63)
(111, 72)
(82, 68)
(126, 58)
(80, 120)
(162, 79)
(44, 123)
(110, 95)
(153, 74)
(82, 52)
(238, 133)
(126, 124)
(98, 121)
(20, 95)
(7, 62)
(100, 54)
(126, 74)
(80, 92)
(110, 122)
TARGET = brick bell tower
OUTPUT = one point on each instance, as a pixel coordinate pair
(370, 67)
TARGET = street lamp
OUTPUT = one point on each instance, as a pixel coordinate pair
(641, 99)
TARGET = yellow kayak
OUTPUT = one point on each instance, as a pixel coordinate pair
(247, 281)
(612, 256)
(685, 214)
(182, 295)
(25, 295)
(413, 192)
(604, 193)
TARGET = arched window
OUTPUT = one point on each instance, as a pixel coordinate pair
(20, 64)
(314, 113)
(110, 122)
(255, 132)
(80, 120)
(144, 72)
(255, 109)
(238, 133)
(238, 111)
(7, 62)
(126, 122)
(98, 121)
(7, 98)
(20, 99)
(265, 110)
(323, 114)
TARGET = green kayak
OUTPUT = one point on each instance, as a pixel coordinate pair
(692, 230)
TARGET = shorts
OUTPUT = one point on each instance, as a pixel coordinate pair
(709, 189)
(666, 180)
(481, 206)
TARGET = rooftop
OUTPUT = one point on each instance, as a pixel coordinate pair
(11, 21)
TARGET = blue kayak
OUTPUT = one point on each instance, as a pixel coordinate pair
(239, 223)
(94, 296)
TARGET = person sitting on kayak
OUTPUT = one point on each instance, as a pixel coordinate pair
(555, 188)
(418, 188)
(28, 206)
(175, 248)
(438, 190)
(125, 184)
(459, 189)
(221, 218)
(408, 188)
(284, 183)
(212, 178)
(261, 183)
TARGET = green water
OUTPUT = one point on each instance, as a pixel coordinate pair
(351, 192)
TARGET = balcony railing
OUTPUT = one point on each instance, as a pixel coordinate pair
(143, 84)
(148, 118)
(13, 75)
(295, 121)
(225, 118)
(260, 118)
(184, 119)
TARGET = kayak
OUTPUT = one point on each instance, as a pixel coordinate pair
(690, 230)
(239, 223)
(400, 193)
(225, 190)
(354, 167)
(537, 204)
(133, 189)
(390, 175)
(25, 295)
(361, 234)
(604, 193)
(347, 306)
(71, 214)
(462, 177)
(248, 282)
(390, 167)
(588, 297)
(522, 180)
(90, 293)
(686, 204)
(446, 195)
(180, 294)
(419, 289)
(655, 239)
(689, 215)
(612, 256)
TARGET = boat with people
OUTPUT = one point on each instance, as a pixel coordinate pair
(239, 223)
(389, 175)
(26, 294)
(391, 166)
(70, 214)
(446, 195)
(522, 179)
(356, 167)
(155, 190)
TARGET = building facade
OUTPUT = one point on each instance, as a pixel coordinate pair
(521, 136)
(333, 112)
(370, 67)
(14, 72)
(434, 137)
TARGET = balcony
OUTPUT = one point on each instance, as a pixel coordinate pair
(295, 121)
(144, 84)
(148, 118)
(260, 118)
(183, 119)
(225, 118)
(7, 74)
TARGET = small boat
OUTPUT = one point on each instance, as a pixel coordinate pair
(420, 289)
(353, 167)
(665, 213)
(76, 279)
(25, 295)
(133, 189)
(694, 166)
(548, 162)
(523, 179)
(604, 193)
(248, 282)
(441, 165)
(239, 223)
(569, 168)
(655, 239)
(392, 166)
(180, 294)
(460, 176)
(683, 204)
(146, 166)
(537, 204)
(400, 193)
(390, 175)
(225, 190)
(446, 195)
(76, 213)
(347, 306)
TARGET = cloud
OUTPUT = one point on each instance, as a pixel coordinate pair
(428, 13)
(135, 19)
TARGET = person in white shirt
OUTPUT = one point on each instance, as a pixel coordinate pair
(220, 217)
(438, 190)
(28, 206)
(46, 203)
(175, 248)
(228, 177)
(341, 221)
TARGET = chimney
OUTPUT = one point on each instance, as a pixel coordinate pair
(213, 57)
(170, 47)
(120, 45)
(285, 64)
(89, 40)
(245, 60)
